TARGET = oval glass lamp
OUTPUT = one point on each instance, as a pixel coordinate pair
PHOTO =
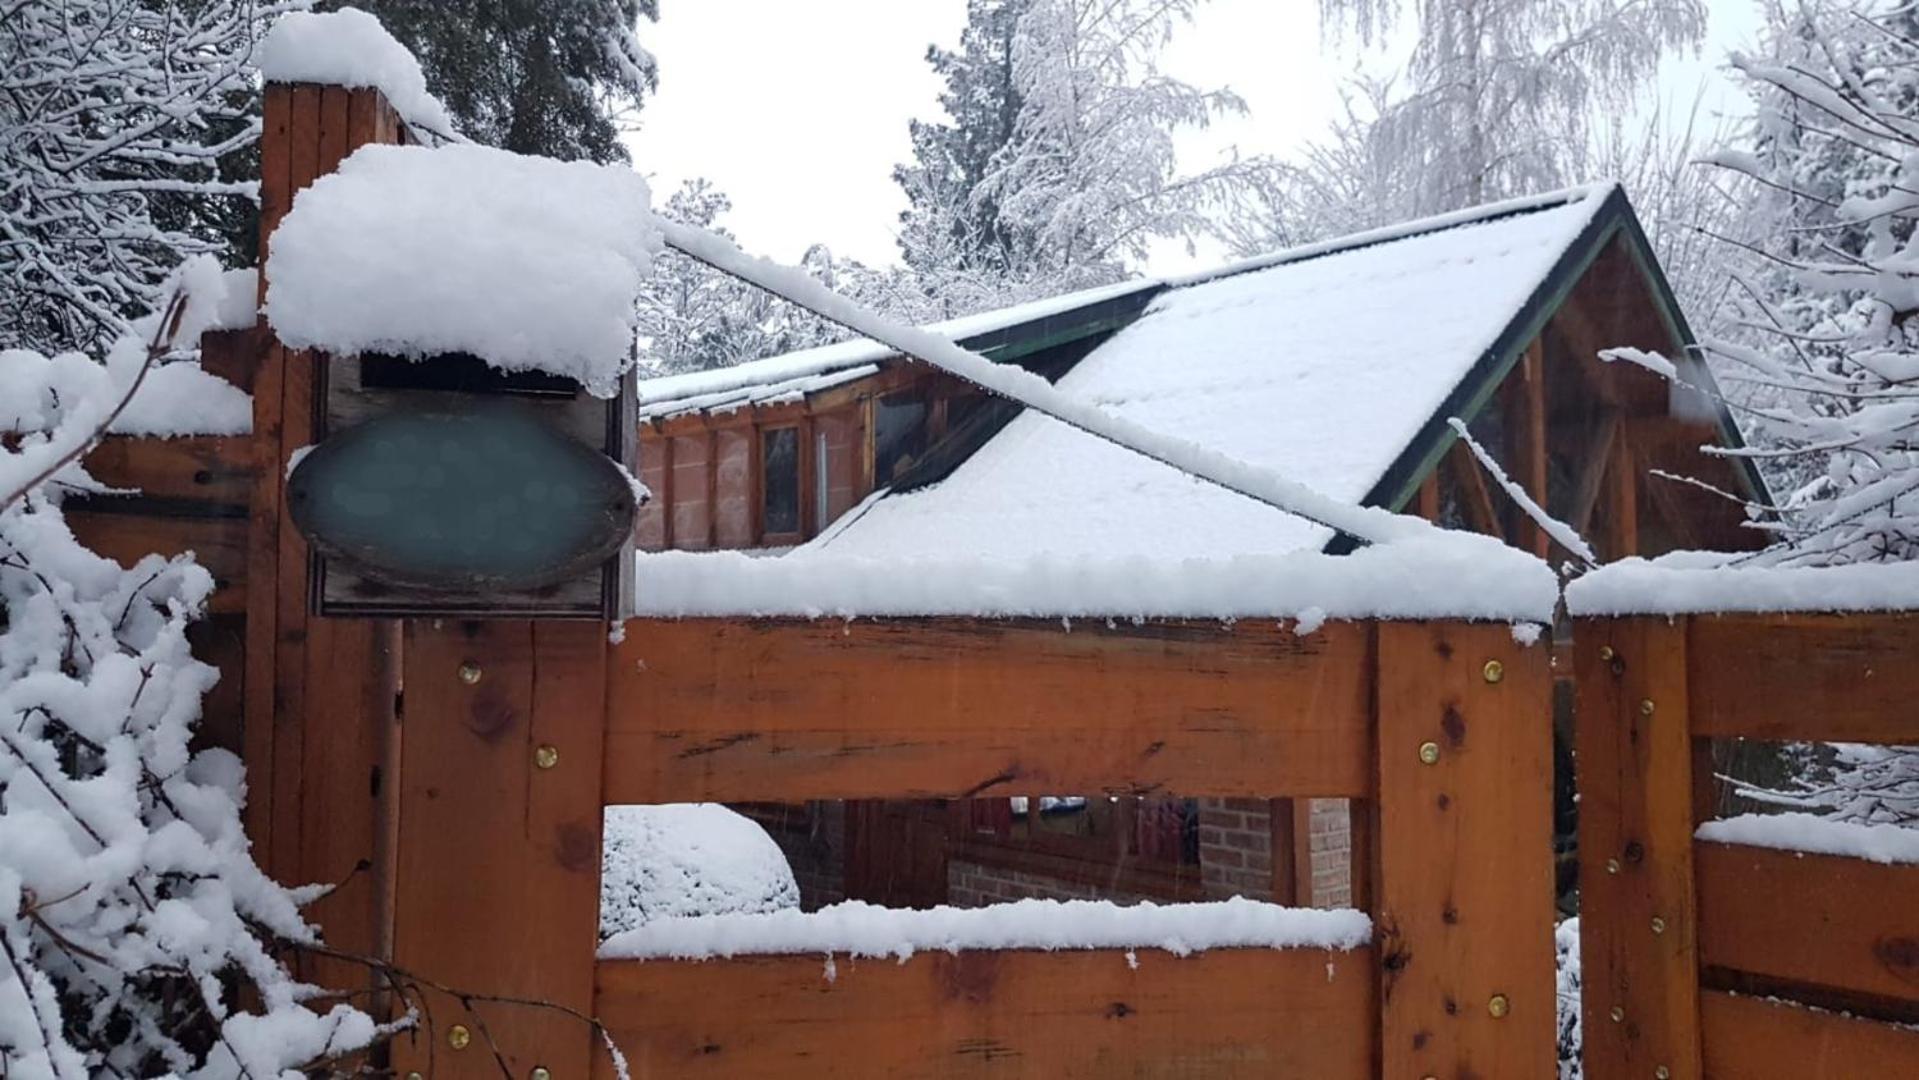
(472, 500)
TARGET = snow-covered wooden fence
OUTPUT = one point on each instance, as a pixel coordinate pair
(450, 775)
(1438, 731)
(1758, 947)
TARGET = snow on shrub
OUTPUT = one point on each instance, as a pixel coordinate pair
(688, 859)
(1572, 1039)
(137, 935)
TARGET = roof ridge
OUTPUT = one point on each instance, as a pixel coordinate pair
(1405, 230)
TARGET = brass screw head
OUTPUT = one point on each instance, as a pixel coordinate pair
(458, 1037)
(1429, 753)
(1618, 1015)
(1645, 707)
(1499, 1006)
(1658, 925)
(1662, 1073)
(470, 673)
(546, 756)
(414, 1076)
(1494, 671)
(539, 1073)
(1612, 866)
(1606, 653)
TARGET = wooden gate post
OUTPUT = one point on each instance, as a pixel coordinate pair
(1464, 893)
(1638, 940)
(319, 694)
(499, 844)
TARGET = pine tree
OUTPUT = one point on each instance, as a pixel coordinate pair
(1057, 167)
(945, 227)
(549, 77)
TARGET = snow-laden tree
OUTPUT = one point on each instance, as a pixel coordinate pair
(1504, 93)
(1501, 98)
(1825, 339)
(115, 116)
(137, 936)
(557, 78)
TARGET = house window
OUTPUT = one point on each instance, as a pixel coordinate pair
(899, 437)
(780, 481)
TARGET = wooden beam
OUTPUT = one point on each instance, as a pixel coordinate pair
(1622, 510)
(1750, 1038)
(1835, 678)
(789, 710)
(1844, 924)
(1429, 496)
(1260, 1014)
(499, 842)
(1636, 849)
(1464, 899)
(1532, 382)
(210, 469)
(1479, 498)
(1593, 463)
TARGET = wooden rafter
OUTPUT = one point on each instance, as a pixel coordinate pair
(1592, 468)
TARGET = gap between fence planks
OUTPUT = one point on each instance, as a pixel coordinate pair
(788, 710)
(1257, 1014)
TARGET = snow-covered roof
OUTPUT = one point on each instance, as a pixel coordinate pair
(808, 371)
(1322, 364)
(526, 262)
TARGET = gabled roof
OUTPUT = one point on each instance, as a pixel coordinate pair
(1336, 365)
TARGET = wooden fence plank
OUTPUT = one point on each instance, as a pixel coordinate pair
(213, 469)
(1272, 1015)
(1465, 887)
(793, 710)
(1757, 675)
(1749, 1038)
(1834, 922)
(127, 536)
(498, 857)
(1636, 850)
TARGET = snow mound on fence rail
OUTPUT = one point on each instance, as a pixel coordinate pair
(349, 47)
(1450, 575)
(174, 399)
(859, 929)
(1813, 834)
(682, 859)
(528, 263)
(1689, 582)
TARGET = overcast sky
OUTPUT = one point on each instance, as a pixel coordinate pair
(799, 111)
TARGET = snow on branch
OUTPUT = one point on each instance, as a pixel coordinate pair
(1563, 534)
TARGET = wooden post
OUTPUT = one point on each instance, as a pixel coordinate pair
(1464, 898)
(499, 843)
(320, 704)
(1637, 927)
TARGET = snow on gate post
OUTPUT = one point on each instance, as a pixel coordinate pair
(471, 805)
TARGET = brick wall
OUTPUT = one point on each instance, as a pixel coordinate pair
(970, 884)
(1236, 848)
(814, 845)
